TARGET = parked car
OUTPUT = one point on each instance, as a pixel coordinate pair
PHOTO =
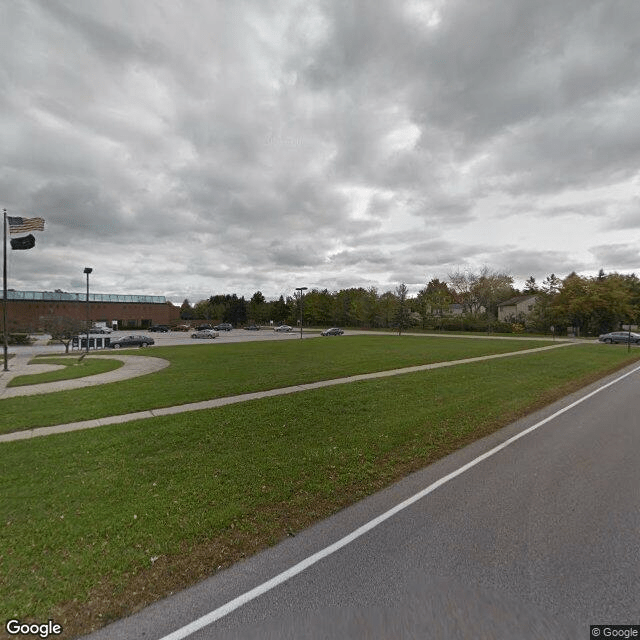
(182, 327)
(225, 326)
(620, 336)
(252, 327)
(100, 330)
(205, 333)
(283, 327)
(202, 327)
(131, 341)
(334, 331)
(160, 328)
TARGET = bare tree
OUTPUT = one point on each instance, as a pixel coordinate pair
(481, 291)
(489, 288)
(460, 283)
(63, 329)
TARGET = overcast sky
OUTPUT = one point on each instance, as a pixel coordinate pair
(196, 147)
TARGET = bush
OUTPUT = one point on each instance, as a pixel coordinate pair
(19, 339)
(454, 324)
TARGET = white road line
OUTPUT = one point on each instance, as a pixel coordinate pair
(243, 599)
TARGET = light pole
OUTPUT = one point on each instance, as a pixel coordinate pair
(301, 289)
(88, 270)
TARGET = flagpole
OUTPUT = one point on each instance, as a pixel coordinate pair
(4, 294)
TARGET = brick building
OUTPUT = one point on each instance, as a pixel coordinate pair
(29, 310)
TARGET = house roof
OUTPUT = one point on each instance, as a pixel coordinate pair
(515, 300)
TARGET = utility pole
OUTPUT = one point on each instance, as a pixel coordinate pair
(88, 270)
(301, 289)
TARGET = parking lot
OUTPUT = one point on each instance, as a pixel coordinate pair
(41, 344)
(235, 335)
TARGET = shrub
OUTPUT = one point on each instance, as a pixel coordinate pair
(19, 339)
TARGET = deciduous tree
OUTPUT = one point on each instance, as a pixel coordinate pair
(401, 319)
(63, 329)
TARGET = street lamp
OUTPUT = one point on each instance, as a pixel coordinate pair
(88, 270)
(301, 289)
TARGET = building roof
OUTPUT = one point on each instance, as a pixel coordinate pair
(62, 296)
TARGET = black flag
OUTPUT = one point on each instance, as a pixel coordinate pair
(27, 242)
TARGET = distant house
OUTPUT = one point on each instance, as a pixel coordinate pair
(516, 309)
(452, 309)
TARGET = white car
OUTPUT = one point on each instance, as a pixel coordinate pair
(205, 333)
(100, 330)
(284, 328)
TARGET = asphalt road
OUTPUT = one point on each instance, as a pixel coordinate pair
(539, 539)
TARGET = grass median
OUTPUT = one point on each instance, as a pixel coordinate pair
(201, 372)
(97, 523)
(74, 367)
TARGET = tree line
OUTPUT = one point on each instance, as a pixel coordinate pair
(468, 300)
(591, 305)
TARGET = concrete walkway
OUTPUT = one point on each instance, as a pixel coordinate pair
(219, 402)
(133, 367)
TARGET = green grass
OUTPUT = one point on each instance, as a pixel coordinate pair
(455, 332)
(74, 367)
(202, 372)
(117, 516)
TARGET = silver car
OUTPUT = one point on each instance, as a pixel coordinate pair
(284, 328)
(205, 333)
(334, 331)
(620, 336)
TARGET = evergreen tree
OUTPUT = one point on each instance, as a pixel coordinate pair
(186, 312)
(530, 286)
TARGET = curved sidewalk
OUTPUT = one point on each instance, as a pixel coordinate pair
(219, 402)
(133, 367)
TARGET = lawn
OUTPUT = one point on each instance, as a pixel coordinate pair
(74, 367)
(97, 523)
(202, 372)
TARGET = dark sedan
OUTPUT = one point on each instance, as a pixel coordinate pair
(225, 326)
(131, 341)
(620, 337)
(252, 327)
(159, 328)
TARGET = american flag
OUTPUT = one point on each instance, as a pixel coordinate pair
(23, 225)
